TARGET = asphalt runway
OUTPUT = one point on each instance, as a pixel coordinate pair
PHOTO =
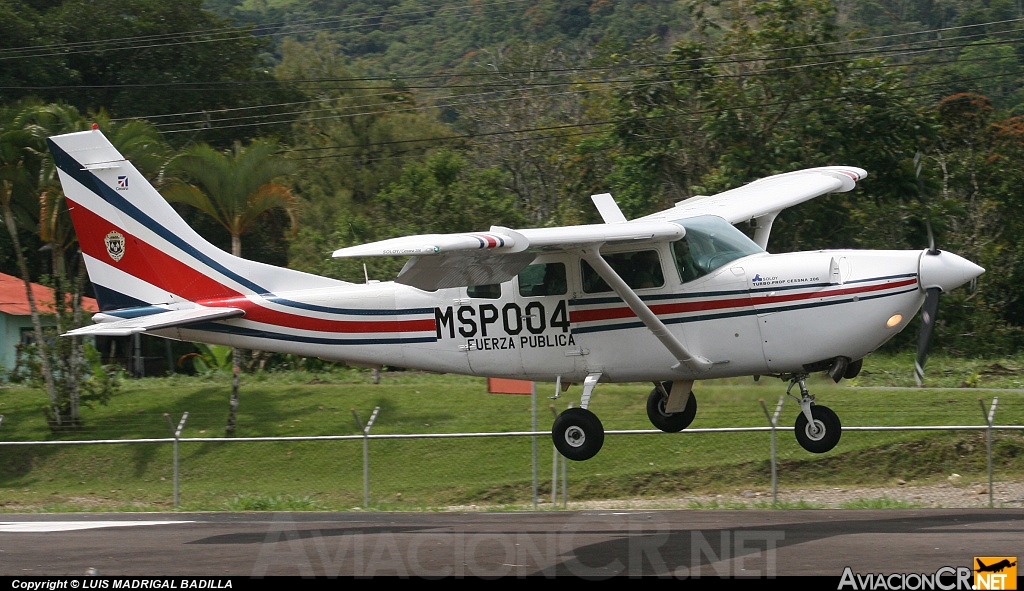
(687, 544)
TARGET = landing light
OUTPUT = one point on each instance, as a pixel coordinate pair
(894, 320)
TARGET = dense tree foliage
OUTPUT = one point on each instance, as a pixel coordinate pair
(422, 115)
(172, 62)
(436, 36)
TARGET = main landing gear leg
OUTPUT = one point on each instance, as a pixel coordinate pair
(577, 433)
(817, 428)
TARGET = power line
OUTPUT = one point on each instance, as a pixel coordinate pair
(360, 105)
(357, 109)
(233, 33)
(470, 140)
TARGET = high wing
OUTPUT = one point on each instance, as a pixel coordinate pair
(115, 326)
(761, 201)
(454, 260)
(769, 195)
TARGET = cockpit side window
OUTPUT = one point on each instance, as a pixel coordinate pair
(710, 242)
(639, 269)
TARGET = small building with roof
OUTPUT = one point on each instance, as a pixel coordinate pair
(16, 315)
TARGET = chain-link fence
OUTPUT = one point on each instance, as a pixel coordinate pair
(399, 471)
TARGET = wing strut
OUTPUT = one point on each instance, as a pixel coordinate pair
(592, 255)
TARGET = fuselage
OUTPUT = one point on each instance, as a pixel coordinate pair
(682, 294)
(760, 314)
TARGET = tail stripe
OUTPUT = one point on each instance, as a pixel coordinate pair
(72, 168)
(142, 260)
(348, 311)
(197, 287)
(155, 266)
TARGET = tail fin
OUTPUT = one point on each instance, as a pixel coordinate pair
(137, 249)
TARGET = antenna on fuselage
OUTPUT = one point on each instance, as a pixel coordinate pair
(366, 274)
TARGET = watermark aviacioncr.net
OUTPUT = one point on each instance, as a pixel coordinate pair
(995, 573)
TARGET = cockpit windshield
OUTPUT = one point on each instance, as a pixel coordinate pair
(709, 243)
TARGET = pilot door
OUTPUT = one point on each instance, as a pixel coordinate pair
(718, 320)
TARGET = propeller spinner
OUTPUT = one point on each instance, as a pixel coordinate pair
(938, 271)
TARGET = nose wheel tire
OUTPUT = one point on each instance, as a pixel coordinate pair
(822, 434)
(578, 434)
(670, 422)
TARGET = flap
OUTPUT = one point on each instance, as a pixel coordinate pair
(457, 270)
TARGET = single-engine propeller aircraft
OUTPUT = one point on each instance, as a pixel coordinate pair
(670, 298)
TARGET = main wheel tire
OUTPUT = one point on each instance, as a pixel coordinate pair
(821, 435)
(578, 434)
(670, 422)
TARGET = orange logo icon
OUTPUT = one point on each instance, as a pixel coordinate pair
(995, 572)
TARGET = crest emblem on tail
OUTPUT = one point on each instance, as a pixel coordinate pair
(115, 245)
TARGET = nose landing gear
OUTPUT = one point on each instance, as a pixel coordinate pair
(817, 427)
(577, 433)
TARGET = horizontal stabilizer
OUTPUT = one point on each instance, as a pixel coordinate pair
(110, 325)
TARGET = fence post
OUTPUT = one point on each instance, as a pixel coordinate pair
(565, 480)
(556, 459)
(989, 419)
(554, 466)
(773, 422)
(533, 416)
(176, 433)
(366, 452)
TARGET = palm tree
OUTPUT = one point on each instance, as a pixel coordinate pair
(21, 148)
(235, 188)
(31, 200)
(139, 141)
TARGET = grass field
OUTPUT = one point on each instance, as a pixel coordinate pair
(428, 473)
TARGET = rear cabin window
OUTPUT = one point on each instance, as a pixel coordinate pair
(640, 270)
(543, 279)
(491, 291)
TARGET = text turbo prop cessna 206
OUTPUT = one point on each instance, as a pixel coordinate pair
(670, 298)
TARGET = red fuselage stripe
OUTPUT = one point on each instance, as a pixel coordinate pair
(576, 316)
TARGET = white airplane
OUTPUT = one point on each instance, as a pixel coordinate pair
(670, 298)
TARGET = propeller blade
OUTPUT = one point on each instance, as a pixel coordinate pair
(931, 237)
(928, 312)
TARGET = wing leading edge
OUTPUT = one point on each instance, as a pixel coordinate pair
(455, 260)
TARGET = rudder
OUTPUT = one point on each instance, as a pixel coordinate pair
(138, 251)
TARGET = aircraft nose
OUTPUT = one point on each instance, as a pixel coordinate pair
(946, 270)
